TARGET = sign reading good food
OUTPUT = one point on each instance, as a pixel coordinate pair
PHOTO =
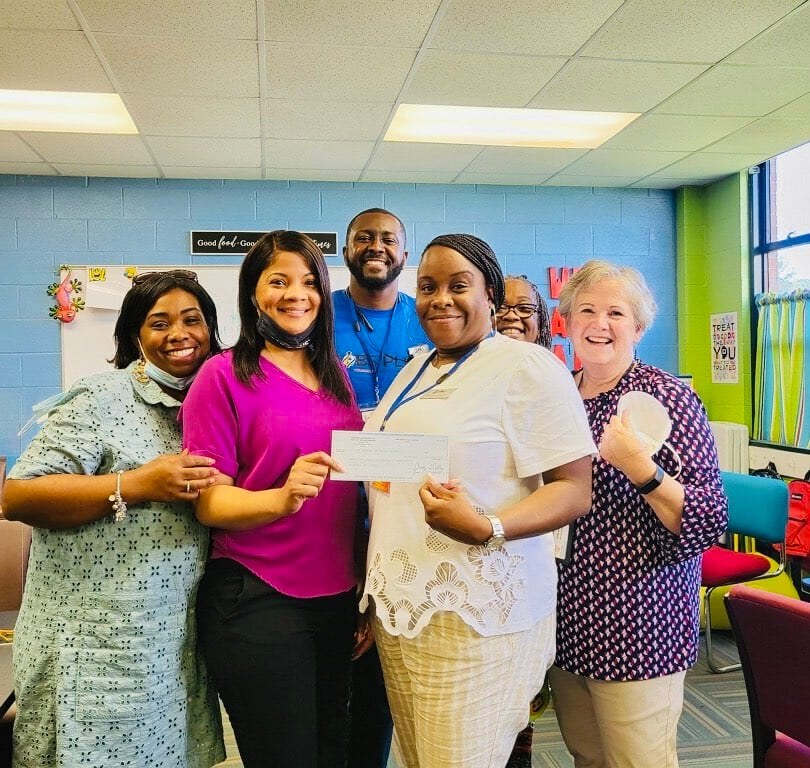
(215, 243)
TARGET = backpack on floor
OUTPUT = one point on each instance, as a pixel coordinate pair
(797, 535)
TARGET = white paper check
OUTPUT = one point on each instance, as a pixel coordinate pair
(390, 456)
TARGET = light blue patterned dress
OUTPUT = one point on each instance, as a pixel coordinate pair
(106, 667)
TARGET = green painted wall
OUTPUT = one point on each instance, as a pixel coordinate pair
(713, 276)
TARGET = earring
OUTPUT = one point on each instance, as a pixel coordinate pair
(139, 372)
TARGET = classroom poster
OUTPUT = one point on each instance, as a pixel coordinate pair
(725, 358)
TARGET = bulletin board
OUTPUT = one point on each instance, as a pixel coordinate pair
(87, 341)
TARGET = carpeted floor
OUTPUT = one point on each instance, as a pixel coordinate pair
(714, 730)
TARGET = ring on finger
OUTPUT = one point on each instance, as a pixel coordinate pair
(188, 486)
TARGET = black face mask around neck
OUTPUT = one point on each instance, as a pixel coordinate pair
(269, 330)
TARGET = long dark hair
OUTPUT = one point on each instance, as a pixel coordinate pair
(248, 347)
(146, 289)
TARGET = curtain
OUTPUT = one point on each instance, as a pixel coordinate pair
(783, 369)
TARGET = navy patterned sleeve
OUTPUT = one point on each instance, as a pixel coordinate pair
(705, 510)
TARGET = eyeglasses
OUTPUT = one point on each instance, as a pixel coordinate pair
(521, 310)
(144, 277)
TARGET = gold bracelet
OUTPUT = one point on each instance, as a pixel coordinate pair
(118, 504)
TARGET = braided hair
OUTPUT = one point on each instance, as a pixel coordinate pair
(478, 253)
(543, 317)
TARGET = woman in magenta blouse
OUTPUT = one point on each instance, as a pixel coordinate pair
(277, 607)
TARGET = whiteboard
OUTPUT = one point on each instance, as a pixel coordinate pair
(87, 342)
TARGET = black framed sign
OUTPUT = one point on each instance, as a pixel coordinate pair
(216, 242)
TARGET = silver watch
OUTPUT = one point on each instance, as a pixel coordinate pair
(498, 536)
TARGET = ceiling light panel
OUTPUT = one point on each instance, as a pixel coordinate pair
(64, 112)
(505, 127)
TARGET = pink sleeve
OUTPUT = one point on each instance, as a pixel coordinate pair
(208, 416)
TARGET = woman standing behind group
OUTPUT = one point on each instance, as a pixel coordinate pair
(277, 607)
(628, 601)
(523, 316)
(106, 668)
(462, 580)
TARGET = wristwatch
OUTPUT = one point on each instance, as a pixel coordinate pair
(498, 536)
(651, 484)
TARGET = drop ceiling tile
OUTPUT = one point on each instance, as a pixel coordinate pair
(479, 79)
(231, 19)
(301, 174)
(191, 116)
(335, 73)
(656, 182)
(621, 162)
(311, 155)
(35, 169)
(541, 28)
(325, 120)
(372, 23)
(706, 165)
(785, 44)
(411, 177)
(768, 136)
(686, 30)
(50, 61)
(615, 86)
(157, 67)
(674, 132)
(83, 148)
(114, 171)
(511, 179)
(410, 156)
(14, 149)
(566, 180)
(211, 152)
(36, 14)
(742, 91)
(528, 160)
(798, 108)
(210, 172)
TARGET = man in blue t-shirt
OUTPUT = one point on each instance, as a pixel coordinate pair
(376, 327)
(376, 333)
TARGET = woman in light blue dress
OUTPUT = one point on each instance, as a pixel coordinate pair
(106, 669)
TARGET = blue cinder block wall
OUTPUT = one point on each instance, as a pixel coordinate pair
(47, 221)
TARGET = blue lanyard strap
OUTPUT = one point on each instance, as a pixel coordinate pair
(403, 397)
(362, 321)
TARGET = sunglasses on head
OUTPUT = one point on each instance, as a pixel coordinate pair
(145, 277)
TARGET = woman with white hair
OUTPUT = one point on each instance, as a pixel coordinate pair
(628, 600)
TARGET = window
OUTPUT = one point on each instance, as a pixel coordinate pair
(781, 240)
(782, 221)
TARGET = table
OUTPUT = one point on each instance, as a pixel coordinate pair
(7, 621)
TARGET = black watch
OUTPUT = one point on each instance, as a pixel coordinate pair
(651, 484)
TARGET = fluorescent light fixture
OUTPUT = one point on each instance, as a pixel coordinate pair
(505, 127)
(64, 112)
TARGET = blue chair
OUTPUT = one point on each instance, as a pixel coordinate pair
(757, 509)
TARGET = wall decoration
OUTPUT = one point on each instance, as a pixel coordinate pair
(67, 305)
(725, 359)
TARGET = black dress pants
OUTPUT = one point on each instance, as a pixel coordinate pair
(281, 665)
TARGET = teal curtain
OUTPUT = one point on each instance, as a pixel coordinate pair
(783, 369)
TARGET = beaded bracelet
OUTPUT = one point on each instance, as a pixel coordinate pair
(118, 504)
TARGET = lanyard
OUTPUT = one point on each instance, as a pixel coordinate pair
(403, 397)
(375, 366)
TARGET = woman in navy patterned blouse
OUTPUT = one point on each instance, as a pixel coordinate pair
(628, 602)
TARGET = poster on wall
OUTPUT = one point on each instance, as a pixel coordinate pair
(725, 360)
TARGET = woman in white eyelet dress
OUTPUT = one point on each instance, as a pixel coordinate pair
(106, 668)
